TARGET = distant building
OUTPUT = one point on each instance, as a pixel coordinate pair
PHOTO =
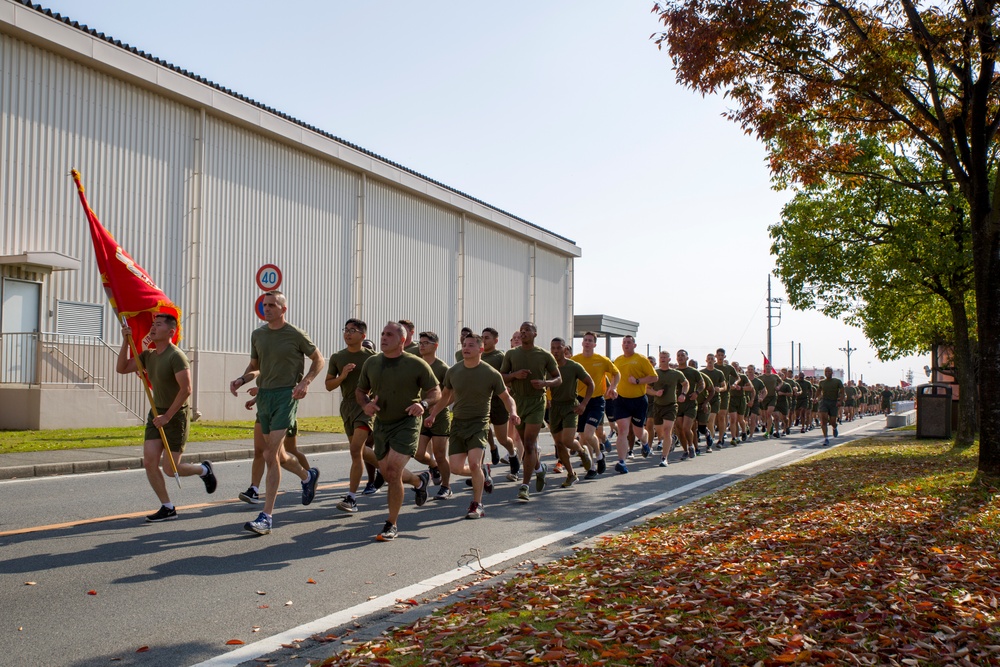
(203, 186)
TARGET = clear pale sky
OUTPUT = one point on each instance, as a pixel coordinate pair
(562, 113)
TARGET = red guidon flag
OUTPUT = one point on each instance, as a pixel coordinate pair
(131, 291)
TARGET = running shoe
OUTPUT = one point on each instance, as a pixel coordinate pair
(522, 493)
(505, 459)
(309, 486)
(261, 525)
(709, 450)
(585, 458)
(250, 496)
(606, 445)
(602, 465)
(744, 436)
(708, 441)
(540, 478)
(388, 534)
(475, 511)
(379, 479)
(209, 478)
(348, 504)
(835, 432)
(435, 475)
(444, 493)
(826, 442)
(487, 480)
(163, 514)
(570, 480)
(558, 468)
(370, 489)
(646, 450)
(511, 477)
(515, 465)
(495, 455)
(421, 491)
(591, 474)
(684, 456)
(620, 468)
(663, 463)
(733, 443)
(631, 456)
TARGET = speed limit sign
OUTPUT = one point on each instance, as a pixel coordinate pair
(268, 277)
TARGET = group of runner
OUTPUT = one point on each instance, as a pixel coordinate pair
(486, 409)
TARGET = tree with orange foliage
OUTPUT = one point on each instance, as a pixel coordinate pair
(810, 76)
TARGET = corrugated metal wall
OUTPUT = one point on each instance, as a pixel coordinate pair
(266, 203)
(410, 264)
(551, 289)
(133, 149)
(497, 280)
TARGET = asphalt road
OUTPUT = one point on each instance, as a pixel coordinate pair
(185, 588)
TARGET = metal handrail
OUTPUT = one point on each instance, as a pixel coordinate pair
(46, 358)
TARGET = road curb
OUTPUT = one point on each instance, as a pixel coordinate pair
(71, 467)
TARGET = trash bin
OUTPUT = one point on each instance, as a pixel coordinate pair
(934, 411)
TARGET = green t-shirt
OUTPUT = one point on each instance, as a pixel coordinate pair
(717, 376)
(830, 388)
(413, 348)
(540, 362)
(398, 382)
(473, 390)
(339, 361)
(494, 358)
(439, 368)
(852, 392)
(280, 355)
(162, 370)
(771, 382)
(732, 376)
(693, 376)
(670, 381)
(805, 388)
(786, 389)
(744, 383)
(703, 394)
(571, 373)
(758, 386)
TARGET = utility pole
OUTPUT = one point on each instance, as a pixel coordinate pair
(848, 350)
(773, 304)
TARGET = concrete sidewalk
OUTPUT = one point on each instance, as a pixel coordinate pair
(102, 459)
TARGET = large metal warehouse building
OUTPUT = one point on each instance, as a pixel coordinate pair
(203, 186)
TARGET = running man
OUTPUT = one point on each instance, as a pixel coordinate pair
(687, 405)
(566, 409)
(277, 360)
(499, 418)
(606, 377)
(530, 370)
(389, 390)
(669, 383)
(721, 384)
(169, 374)
(767, 404)
(832, 396)
(435, 435)
(343, 372)
(471, 386)
(631, 404)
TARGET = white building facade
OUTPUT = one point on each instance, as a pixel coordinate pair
(202, 187)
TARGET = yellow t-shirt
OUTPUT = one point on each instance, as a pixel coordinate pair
(636, 366)
(600, 370)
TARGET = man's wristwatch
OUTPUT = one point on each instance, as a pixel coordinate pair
(423, 404)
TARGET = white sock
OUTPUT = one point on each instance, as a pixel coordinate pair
(204, 470)
(169, 506)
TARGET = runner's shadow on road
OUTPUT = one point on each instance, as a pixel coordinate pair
(157, 656)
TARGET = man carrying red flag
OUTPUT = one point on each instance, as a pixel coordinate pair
(169, 374)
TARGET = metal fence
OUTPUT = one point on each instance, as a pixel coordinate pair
(64, 359)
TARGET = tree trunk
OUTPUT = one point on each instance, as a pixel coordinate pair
(988, 314)
(965, 374)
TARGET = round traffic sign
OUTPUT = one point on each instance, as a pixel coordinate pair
(258, 306)
(268, 277)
